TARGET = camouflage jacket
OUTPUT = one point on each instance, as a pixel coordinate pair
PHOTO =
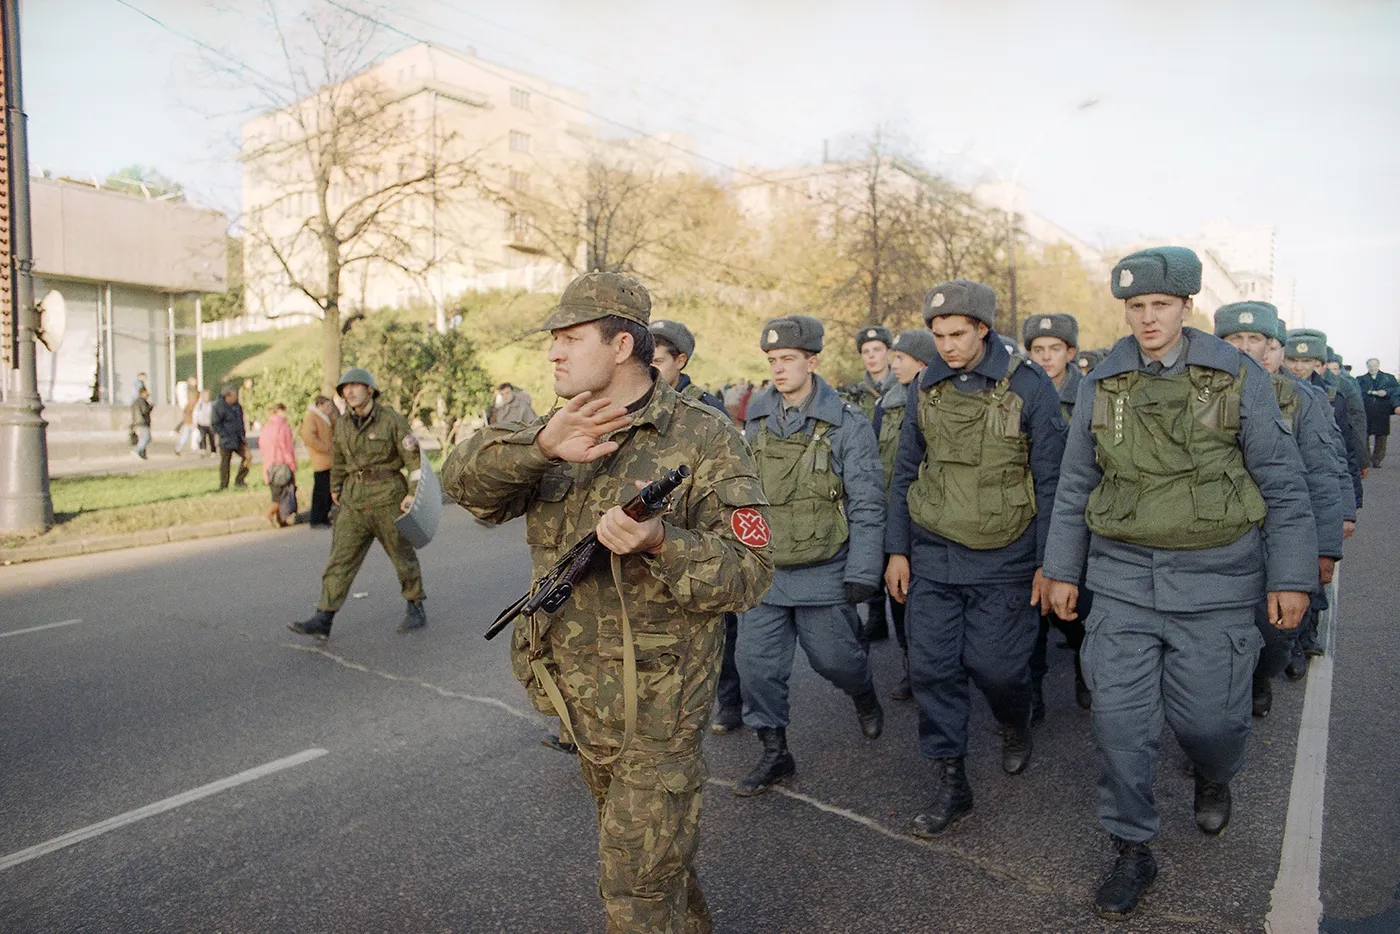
(368, 455)
(675, 599)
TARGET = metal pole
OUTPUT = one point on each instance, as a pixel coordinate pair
(25, 503)
(198, 343)
(1011, 263)
(111, 348)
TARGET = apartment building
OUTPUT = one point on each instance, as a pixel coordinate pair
(489, 130)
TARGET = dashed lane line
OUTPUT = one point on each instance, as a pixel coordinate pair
(159, 807)
(1295, 905)
(20, 632)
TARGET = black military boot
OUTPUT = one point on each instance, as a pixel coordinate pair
(1016, 745)
(1037, 701)
(775, 765)
(1263, 699)
(1212, 805)
(902, 689)
(1297, 668)
(877, 627)
(413, 617)
(870, 714)
(318, 626)
(558, 744)
(1129, 879)
(952, 799)
(727, 720)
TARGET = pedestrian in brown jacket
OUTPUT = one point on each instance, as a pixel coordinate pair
(317, 428)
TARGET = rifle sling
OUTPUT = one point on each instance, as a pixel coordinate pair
(629, 682)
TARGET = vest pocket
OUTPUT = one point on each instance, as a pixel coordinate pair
(1209, 499)
(544, 525)
(659, 684)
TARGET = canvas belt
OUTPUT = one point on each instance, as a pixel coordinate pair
(375, 473)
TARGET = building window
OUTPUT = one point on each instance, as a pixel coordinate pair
(519, 142)
(520, 98)
(519, 180)
(518, 227)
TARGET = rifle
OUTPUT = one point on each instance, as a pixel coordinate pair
(552, 591)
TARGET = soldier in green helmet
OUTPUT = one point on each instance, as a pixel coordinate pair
(372, 447)
(1182, 506)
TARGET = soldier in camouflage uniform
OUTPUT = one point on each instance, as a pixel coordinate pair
(673, 577)
(371, 447)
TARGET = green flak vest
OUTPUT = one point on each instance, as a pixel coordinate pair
(1288, 402)
(806, 511)
(892, 421)
(975, 485)
(1173, 472)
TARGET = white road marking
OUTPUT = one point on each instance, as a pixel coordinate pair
(159, 807)
(1295, 905)
(20, 632)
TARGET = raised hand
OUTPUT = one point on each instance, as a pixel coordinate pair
(572, 434)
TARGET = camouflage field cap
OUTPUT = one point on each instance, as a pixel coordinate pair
(876, 332)
(792, 332)
(1245, 318)
(962, 297)
(1065, 327)
(1162, 270)
(1305, 344)
(917, 343)
(675, 334)
(595, 295)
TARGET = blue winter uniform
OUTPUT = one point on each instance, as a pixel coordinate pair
(1172, 630)
(1351, 420)
(807, 603)
(968, 611)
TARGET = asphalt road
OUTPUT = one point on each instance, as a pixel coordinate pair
(434, 808)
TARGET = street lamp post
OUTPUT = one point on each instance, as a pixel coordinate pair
(24, 462)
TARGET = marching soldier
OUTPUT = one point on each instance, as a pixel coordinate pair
(1252, 328)
(969, 508)
(629, 663)
(1181, 493)
(911, 352)
(675, 345)
(820, 467)
(1354, 428)
(874, 346)
(372, 446)
(1052, 341)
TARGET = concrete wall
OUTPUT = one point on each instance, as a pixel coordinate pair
(107, 236)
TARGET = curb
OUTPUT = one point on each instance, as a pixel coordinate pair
(100, 543)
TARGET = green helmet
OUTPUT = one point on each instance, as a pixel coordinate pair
(359, 375)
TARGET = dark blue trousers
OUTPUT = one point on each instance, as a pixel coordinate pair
(961, 632)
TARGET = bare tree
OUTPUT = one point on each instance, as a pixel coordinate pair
(341, 170)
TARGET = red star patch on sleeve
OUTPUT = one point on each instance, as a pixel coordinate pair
(750, 527)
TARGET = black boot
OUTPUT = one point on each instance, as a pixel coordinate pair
(727, 720)
(413, 617)
(952, 799)
(1263, 696)
(1016, 746)
(902, 690)
(876, 626)
(1212, 805)
(553, 741)
(1297, 668)
(1129, 879)
(870, 714)
(1037, 701)
(318, 626)
(775, 765)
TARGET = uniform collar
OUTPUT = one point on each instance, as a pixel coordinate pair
(823, 404)
(1069, 389)
(1202, 349)
(993, 365)
(660, 408)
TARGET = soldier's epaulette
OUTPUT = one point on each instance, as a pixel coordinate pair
(703, 406)
(852, 409)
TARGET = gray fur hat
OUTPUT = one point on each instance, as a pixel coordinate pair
(1245, 318)
(1065, 327)
(961, 297)
(1162, 270)
(874, 332)
(675, 334)
(917, 343)
(795, 332)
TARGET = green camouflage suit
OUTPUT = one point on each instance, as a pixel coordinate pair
(648, 799)
(369, 456)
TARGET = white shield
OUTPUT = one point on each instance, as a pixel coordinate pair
(420, 523)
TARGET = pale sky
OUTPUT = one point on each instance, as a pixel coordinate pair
(1282, 113)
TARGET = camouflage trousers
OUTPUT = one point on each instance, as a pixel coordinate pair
(354, 531)
(647, 838)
